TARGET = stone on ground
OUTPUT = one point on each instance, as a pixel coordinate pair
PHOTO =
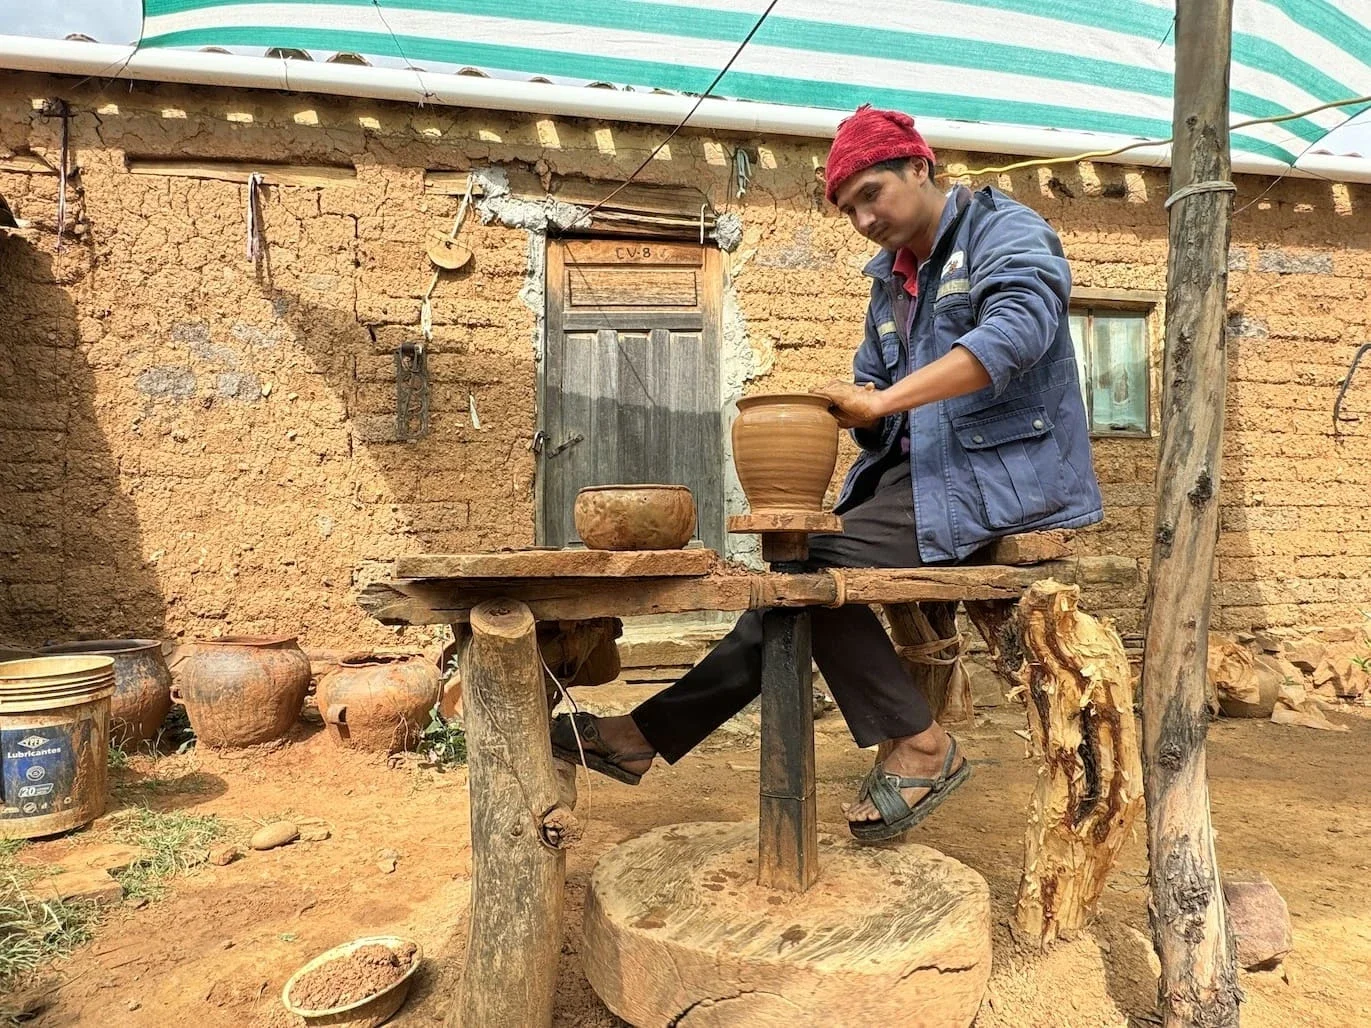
(1259, 918)
(88, 885)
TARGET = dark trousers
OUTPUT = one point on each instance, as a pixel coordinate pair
(869, 682)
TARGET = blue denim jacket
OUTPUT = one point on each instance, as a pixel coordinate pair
(1014, 456)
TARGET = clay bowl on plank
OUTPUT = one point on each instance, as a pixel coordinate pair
(635, 517)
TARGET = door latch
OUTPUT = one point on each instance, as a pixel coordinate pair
(565, 444)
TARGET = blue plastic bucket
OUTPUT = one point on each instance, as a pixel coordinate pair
(54, 743)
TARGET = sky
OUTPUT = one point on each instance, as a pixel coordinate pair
(117, 21)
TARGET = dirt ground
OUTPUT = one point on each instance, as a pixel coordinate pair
(216, 951)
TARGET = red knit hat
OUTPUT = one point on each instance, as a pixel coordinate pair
(868, 137)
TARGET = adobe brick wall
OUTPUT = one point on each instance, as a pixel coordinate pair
(192, 446)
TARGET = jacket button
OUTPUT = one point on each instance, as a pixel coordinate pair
(928, 537)
(1038, 423)
(978, 438)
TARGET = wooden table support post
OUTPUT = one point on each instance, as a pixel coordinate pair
(518, 829)
(788, 819)
(788, 845)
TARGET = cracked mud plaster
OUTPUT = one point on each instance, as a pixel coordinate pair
(497, 205)
(151, 495)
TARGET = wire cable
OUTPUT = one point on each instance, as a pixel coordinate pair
(689, 114)
(1042, 162)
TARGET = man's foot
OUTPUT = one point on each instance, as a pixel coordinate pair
(914, 756)
(611, 745)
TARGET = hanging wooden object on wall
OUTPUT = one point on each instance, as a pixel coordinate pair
(446, 253)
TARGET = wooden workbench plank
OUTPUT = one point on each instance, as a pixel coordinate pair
(560, 564)
(437, 601)
(434, 601)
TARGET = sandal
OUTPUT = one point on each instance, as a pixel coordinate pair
(897, 816)
(593, 751)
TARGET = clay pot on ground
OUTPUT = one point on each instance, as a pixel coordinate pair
(242, 690)
(785, 447)
(142, 685)
(378, 701)
(635, 517)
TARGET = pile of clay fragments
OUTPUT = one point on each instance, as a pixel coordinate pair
(1290, 678)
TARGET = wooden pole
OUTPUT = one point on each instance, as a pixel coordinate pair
(788, 834)
(518, 829)
(788, 813)
(1189, 927)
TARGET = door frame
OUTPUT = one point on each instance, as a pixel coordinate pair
(711, 333)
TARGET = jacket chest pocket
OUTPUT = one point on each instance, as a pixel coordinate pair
(952, 319)
(890, 348)
(1016, 463)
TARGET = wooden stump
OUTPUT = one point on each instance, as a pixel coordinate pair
(1074, 674)
(917, 629)
(678, 933)
(518, 828)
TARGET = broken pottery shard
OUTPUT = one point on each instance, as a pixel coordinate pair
(1268, 676)
(1306, 654)
(1259, 918)
(224, 854)
(1341, 671)
(1232, 674)
(276, 834)
(1297, 706)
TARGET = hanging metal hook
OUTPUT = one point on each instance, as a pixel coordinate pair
(1362, 351)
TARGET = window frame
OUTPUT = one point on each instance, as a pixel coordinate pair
(1144, 303)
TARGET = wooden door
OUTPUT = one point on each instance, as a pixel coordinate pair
(631, 388)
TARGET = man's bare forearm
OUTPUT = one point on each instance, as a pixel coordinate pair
(956, 373)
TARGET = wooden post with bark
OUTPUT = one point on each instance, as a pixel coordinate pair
(1189, 925)
(1073, 673)
(519, 830)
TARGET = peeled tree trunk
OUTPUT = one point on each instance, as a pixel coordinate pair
(1199, 987)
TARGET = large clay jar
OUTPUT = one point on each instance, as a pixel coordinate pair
(142, 686)
(378, 701)
(785, 447)
(243, 690)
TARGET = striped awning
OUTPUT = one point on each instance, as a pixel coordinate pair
(1103, 66)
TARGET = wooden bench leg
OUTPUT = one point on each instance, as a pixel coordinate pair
(518, 829)
(916, 628)
(788, 856)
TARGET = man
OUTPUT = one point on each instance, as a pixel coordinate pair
(968, 410)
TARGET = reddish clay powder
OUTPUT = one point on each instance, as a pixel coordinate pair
(363, 972)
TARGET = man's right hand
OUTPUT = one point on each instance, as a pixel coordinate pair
(855, 406)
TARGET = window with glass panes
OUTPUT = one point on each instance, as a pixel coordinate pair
(1112, 356)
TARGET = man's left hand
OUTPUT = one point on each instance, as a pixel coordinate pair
(855, 406)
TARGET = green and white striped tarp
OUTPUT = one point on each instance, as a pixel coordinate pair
(1101, 66)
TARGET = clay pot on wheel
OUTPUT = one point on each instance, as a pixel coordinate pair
(785, 447)
(634, 517)
(378, 701)
(243, 690)
(142, 686)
